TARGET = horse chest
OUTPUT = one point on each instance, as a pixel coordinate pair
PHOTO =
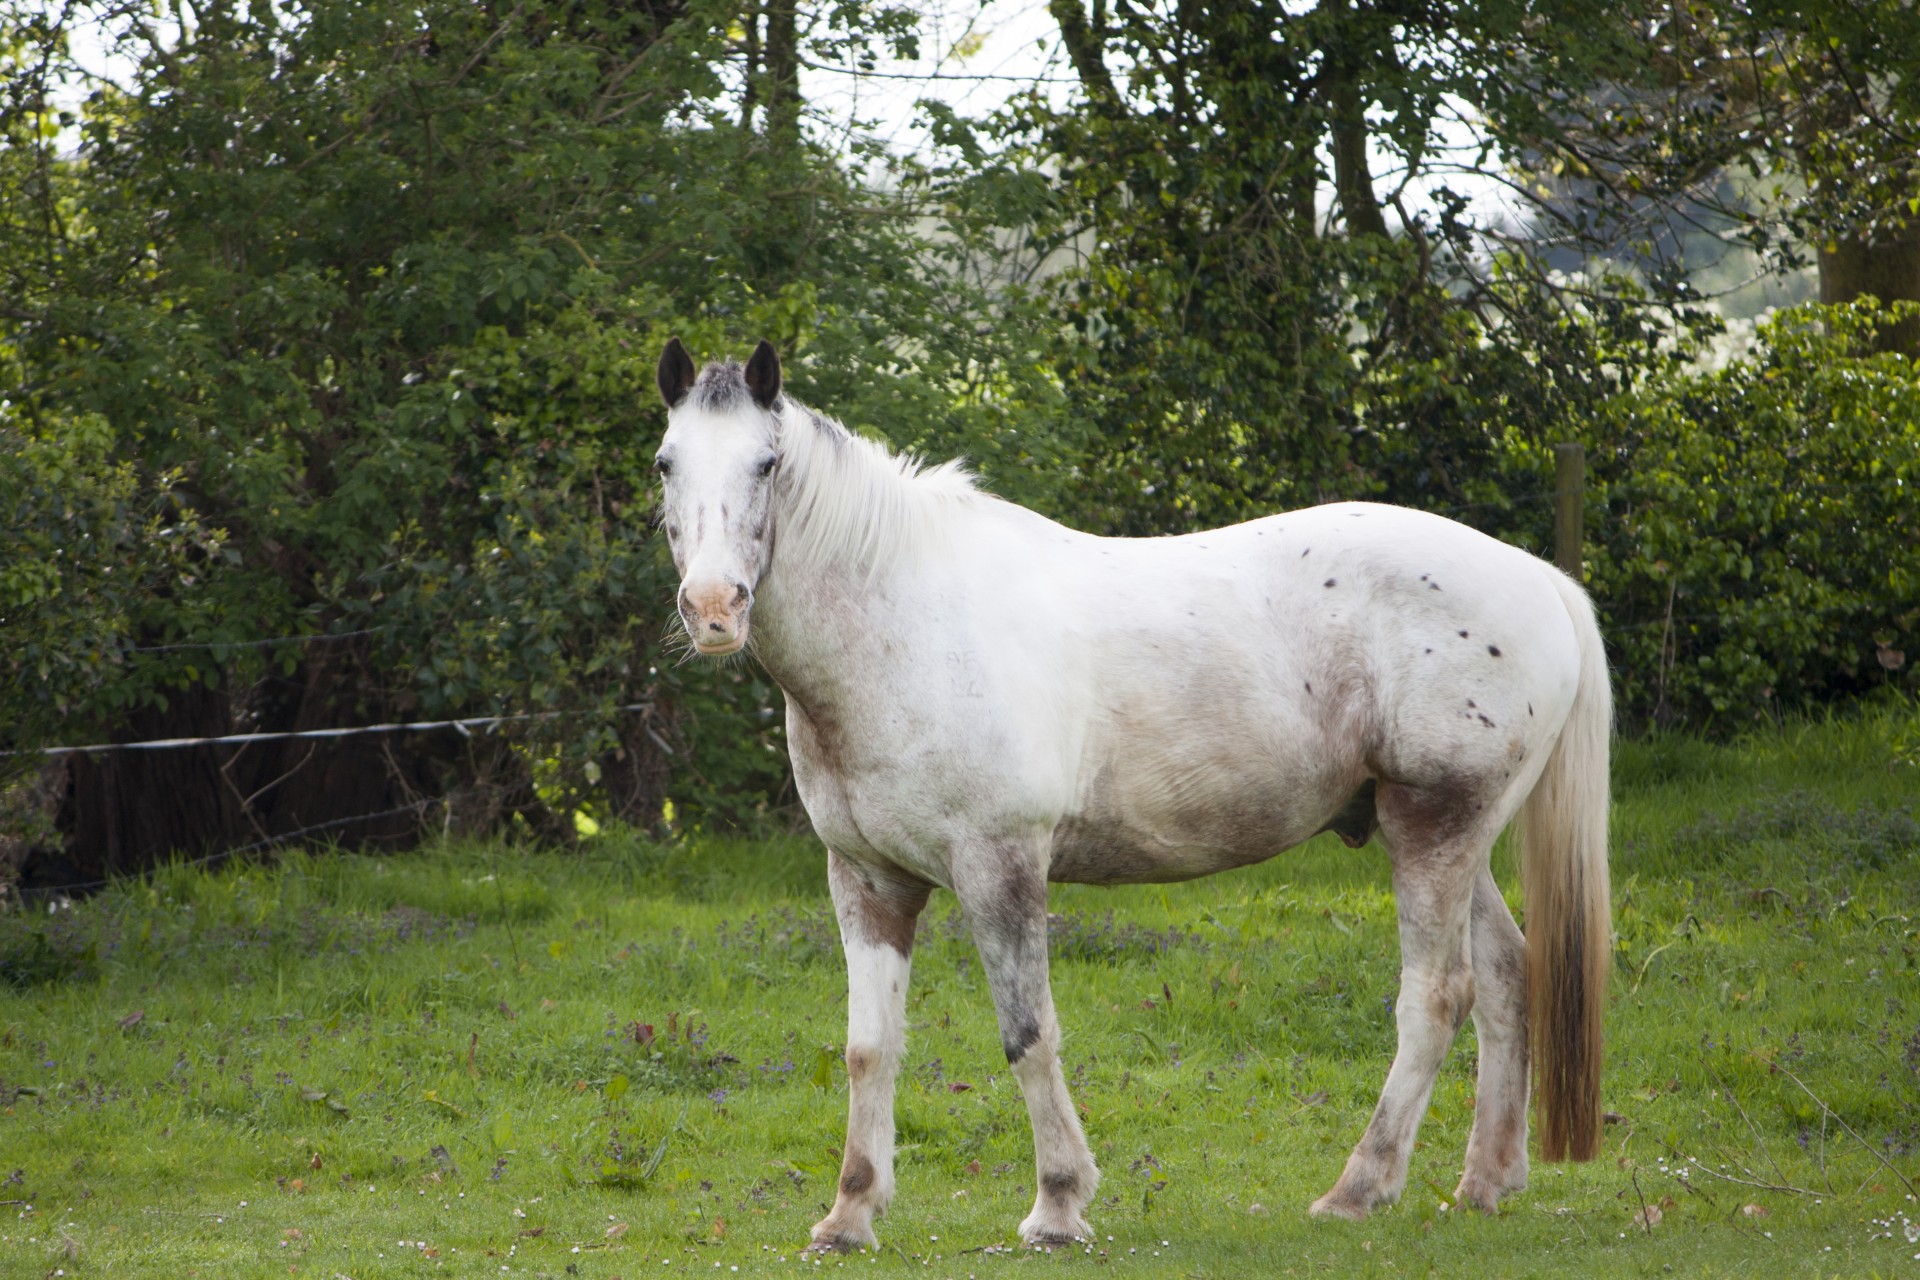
(865, 805)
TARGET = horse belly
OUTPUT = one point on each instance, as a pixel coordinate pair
(1154, 833)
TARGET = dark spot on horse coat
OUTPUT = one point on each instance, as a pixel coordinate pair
(1416, 818)
(1485, 721)
(1450, 1005)
(1024, 1034)
(1509, 962)
(1494, 649)
(881, 907)
(1309, 686)
(857, 1178)
(1380, 1142)
(1463, 635)
(1303, 554)
(1328, 582)
(1059, 1187)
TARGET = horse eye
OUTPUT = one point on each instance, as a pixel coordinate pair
(664, 466)
(767, 464)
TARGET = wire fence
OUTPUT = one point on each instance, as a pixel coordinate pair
(464, 726)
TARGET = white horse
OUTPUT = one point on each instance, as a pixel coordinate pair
(981, 699)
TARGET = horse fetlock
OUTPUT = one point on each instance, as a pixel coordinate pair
(1059, 1205)
(863, 1188)
(1485, 1183)
(848, 1229)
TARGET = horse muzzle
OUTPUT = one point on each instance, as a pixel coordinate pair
(715, 614)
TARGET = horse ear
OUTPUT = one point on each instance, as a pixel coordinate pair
(676, 373)
(763, 375)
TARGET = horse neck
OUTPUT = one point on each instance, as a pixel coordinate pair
(851, 521)
(813, 620)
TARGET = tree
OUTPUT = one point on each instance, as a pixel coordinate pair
(1791, 129)
(375, 291)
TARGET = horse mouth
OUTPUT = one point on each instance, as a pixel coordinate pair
(720, 646)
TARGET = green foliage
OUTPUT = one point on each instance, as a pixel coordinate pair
(88, 543)
(329, 348)
(377, 290)
(1753, 530)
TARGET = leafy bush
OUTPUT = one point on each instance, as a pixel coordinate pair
(1754, 532)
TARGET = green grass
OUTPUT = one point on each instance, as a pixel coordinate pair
(481, 1061)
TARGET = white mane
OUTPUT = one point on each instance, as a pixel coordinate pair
(849, 500)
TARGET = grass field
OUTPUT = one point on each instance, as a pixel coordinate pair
(623, 1060)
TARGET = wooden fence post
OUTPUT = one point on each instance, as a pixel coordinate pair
(1569, 494)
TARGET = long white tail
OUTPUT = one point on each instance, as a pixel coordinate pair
(1563, 874)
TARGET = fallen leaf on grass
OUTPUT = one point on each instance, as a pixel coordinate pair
(1648, 1218)
(617, 1230)
(132, 1020)
(1756, 1211)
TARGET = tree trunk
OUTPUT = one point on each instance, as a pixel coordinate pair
(1888, 268)
(1352, 175)
(781, 80)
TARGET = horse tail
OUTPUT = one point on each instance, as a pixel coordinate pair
(1563, 872)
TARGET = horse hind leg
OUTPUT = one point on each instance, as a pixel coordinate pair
(1497, 1148)
(1440, 839)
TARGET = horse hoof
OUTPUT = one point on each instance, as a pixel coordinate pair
(1336, 1204)
(1046, 1235)
(839, 1240)
(1485, 1194)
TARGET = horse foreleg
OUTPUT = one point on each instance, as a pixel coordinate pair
(1005, 897)
(1497, 1148)
(1433, 880)
(877, 916)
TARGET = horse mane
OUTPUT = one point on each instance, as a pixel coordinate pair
(848, 500)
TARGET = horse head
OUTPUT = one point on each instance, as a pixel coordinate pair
(717, 465)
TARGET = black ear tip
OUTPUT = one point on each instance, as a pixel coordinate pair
(676, 372)
(763, 374)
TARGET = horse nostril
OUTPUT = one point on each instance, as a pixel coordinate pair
(714, 626)
(686, 605)
(740, 594)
